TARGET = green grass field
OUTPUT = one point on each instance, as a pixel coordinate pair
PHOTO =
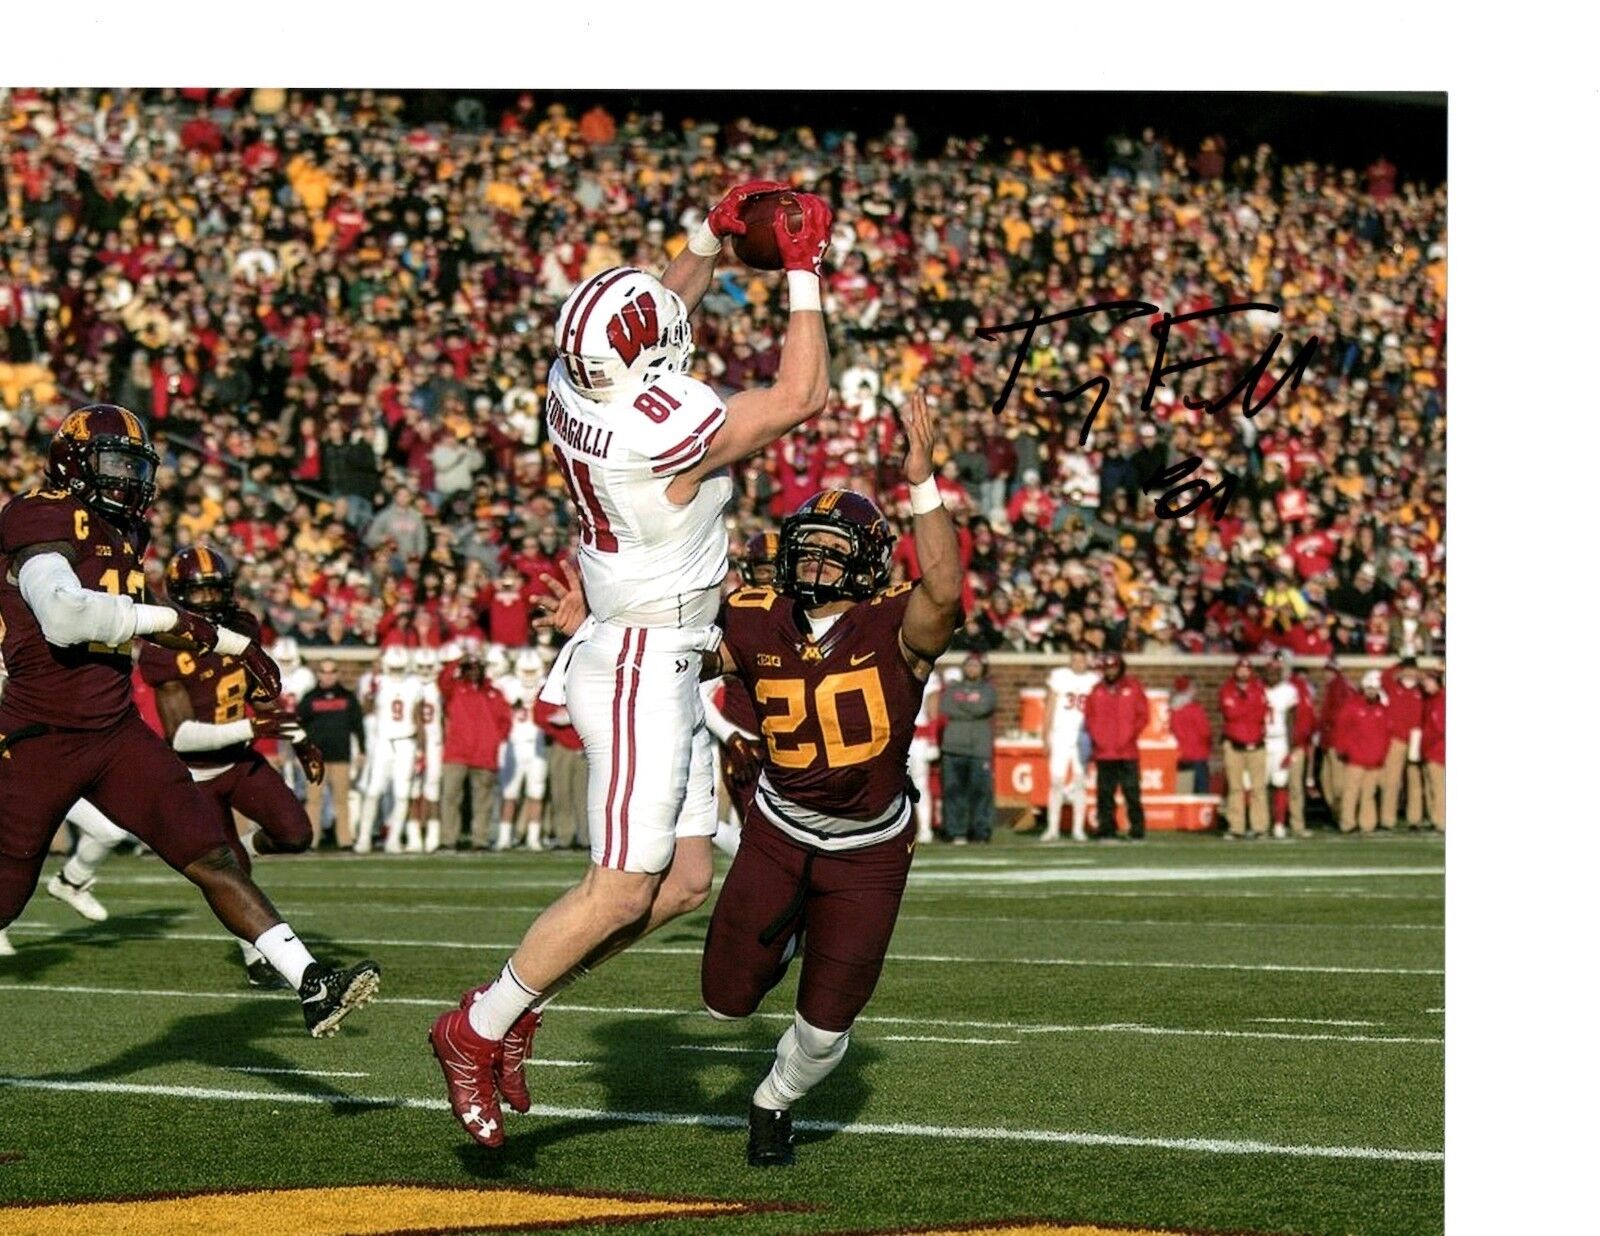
(1176, 1035)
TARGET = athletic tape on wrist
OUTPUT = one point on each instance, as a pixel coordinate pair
(805, 291)
(925, 497)
(703, 242)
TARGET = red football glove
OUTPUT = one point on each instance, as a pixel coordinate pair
(269, 723)
(264, 670)
(724, 217)
(803, 250)
(200, 632)
(311, 761)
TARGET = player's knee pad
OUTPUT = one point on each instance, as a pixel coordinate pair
(817, 1043)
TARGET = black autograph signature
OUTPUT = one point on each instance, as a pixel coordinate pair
(1244, 388)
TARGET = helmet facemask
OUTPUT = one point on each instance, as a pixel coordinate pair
(806, 550)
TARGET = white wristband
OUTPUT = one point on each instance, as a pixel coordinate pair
(231, 643)
(925, 497)
(805, 291)
(703, 242)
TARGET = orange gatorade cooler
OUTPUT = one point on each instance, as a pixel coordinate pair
(1030, 710)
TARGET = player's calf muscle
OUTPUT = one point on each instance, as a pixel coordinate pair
(239, 905)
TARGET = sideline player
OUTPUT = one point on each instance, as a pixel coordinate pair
(72, 602)
(425, 664)
(1283, 707)
(836, 661)
(644, 449)
(392, 761)
(1069, 686)
(201, 700)
(525, 781)
(298, 682)
(924, 754)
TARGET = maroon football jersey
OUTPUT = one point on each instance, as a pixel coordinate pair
(85, 686)
(737, 705)
(216, 686)
(837, 713)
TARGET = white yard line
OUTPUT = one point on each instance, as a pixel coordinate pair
(245, 1068)
(604, 1010)
(666, 950)
(1201, 1145)
(717, 1047)
(1152, 875)
(1187, 924)
(929, 1038)
(1310, 1021)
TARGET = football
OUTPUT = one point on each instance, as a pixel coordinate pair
(758, 247)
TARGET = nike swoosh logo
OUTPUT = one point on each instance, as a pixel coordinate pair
(321, 993)
(864, 657)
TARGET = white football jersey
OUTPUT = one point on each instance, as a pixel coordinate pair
(297, 684)
(1070, 690)
(645, 561)
(521, 697)
(1280, 699)
(395, 706)
(432, 712)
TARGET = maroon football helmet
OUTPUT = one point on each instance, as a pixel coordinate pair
(102, 455)
(803, 549)
(201, 579)
(759, 566)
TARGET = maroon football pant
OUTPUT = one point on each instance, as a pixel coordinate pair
(257, 791)
(850, 902)
(126, 771)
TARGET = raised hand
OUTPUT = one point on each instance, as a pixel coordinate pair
(917, 421)
(564, 608)
(724, 217)
(803, 249)
(263, 670)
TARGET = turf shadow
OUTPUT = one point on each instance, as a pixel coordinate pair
(36, 957)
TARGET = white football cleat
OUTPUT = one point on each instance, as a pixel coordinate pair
(502, 838)
(430, 841)
(78, 897)
(1279, 832)
(1050, 834)
(413, 837)
(6, 948)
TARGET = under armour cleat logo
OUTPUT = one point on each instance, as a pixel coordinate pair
(474, 1116)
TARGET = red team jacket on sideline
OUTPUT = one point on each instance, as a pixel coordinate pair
(1305, 712)
(1433, 727)
(1244, 712)
(562, 732)
(1114, 715)
(1192, 728)
(1362, 735)
(477, 720)
(1405, 709)
(1336, 695)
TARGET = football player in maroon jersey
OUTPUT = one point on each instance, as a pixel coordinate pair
(201, 698)
(72, 599)
(836, 661)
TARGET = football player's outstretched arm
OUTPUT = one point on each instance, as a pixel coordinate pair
(934, 611)
(187, 734)
(689, 274)
(758, 418)
(70, 614)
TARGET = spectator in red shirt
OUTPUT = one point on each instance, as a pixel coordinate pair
(477, 719)
(1433, 744)
(1362, 740)
(1115, 715)
(1192, 728)
(1404, 760)
(566, 819)
(1243, 702)
(510, 611)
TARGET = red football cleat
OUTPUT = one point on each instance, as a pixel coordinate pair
(469, 1061)
(514, 1049)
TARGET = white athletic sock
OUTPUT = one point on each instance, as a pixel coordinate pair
(86, 858)
(506, 1000)
(248, 841)
(1052, 813)
(288, 956)
(805, 1056)
(251, 953)
(726, 838)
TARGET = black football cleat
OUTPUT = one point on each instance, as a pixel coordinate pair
(771, 1138)
(260, 973)
(328, 996)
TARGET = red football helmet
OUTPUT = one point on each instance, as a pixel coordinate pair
(201, 579)
(804, 549)
(102, 455)
(759, 566)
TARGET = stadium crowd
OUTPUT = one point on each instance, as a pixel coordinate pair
(337, 323)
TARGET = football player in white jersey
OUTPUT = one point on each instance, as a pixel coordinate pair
(1282, 699)
(1069, 686)
(644, 449)
(924, 751)
(430, 716)
(298, 680)
(392, 763)
(526, 776)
